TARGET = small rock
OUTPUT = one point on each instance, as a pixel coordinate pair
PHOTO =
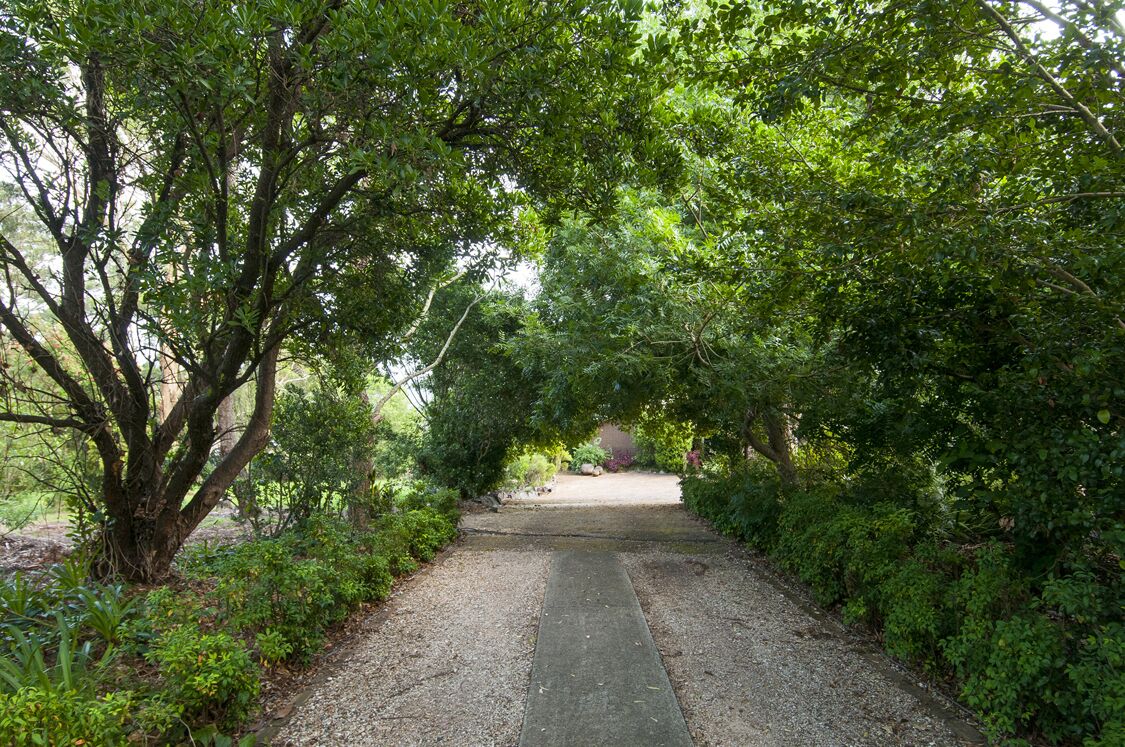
(588, 469)
(490, 500)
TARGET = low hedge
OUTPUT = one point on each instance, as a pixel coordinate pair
(1036, 655)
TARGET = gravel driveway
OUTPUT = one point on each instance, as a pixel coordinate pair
(751, 662)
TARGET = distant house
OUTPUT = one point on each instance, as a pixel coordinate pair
(616, 440)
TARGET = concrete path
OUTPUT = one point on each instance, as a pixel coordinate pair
(488, 645)
(597, 678)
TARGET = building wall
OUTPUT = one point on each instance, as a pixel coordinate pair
(616, 440)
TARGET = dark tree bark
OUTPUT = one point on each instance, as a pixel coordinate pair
(778, 446)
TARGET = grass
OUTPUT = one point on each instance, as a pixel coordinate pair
(31, 507)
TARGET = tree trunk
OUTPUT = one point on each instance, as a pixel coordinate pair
(227, 435)
(359, 508)
(139, 550)
(778, 446)
(148, 518)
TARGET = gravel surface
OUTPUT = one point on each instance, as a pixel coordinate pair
(611, 488)
(750, 667)
(450, 665)
(752, 662)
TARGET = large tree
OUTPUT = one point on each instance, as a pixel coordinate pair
(215, 176)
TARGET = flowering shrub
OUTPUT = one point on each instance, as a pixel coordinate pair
(618, 462)
(694, 460)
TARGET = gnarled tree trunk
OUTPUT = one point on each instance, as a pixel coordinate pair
(778, 446)
(148, 519)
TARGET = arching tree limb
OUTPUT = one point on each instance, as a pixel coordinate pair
(1054, 83)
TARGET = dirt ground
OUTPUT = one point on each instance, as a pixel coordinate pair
(45, 542)
(609, 489)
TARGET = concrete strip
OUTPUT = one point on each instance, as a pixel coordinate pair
(597, 678)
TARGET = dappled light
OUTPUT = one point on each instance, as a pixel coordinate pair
(562, 372)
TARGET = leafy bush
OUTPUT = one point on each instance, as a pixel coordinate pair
(1030, 654)
(282, 593)
(287, 591)
(428, 531)
(272, 646)
(745, 504)
(392, 543)
(1052, 660)
(264, 585)
(318, 437)
(662, 443)
(419, 494)
(37, 717)
(207, 678)
(529, 470)
(588, 453)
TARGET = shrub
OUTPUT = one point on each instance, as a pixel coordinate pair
(38, 716)
(662, 443)
(272, 647)
(294, 587)
(916, 613)
(318, 437)
(619, 462)
(263, 585)
(589, 453)
(529, 470)
(419, 494)
(1051, 661)
(814, 530)
(429, 532)
(207, 678)
(745, 504)
(392, 542)
(1032, 654)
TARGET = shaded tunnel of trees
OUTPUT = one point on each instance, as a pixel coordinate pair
(855, 270)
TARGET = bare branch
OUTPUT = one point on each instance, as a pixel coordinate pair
(377, 411)
(19, 417)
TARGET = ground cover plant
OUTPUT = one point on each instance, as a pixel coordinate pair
(107, 664)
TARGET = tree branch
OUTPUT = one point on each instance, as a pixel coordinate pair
(377, 411)
(18, 417)
(1061, 198)
(1088, 116)
(1083, 40)
(252, 441)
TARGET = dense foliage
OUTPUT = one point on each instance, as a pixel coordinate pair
(76, 652)
(210, 183)
(1041, 655)
(856, 269)
(479, 400)
(886, 298)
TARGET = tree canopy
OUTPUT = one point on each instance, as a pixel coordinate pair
(870, 254)
(214, 179)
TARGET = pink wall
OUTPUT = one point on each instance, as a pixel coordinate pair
(616, 440)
